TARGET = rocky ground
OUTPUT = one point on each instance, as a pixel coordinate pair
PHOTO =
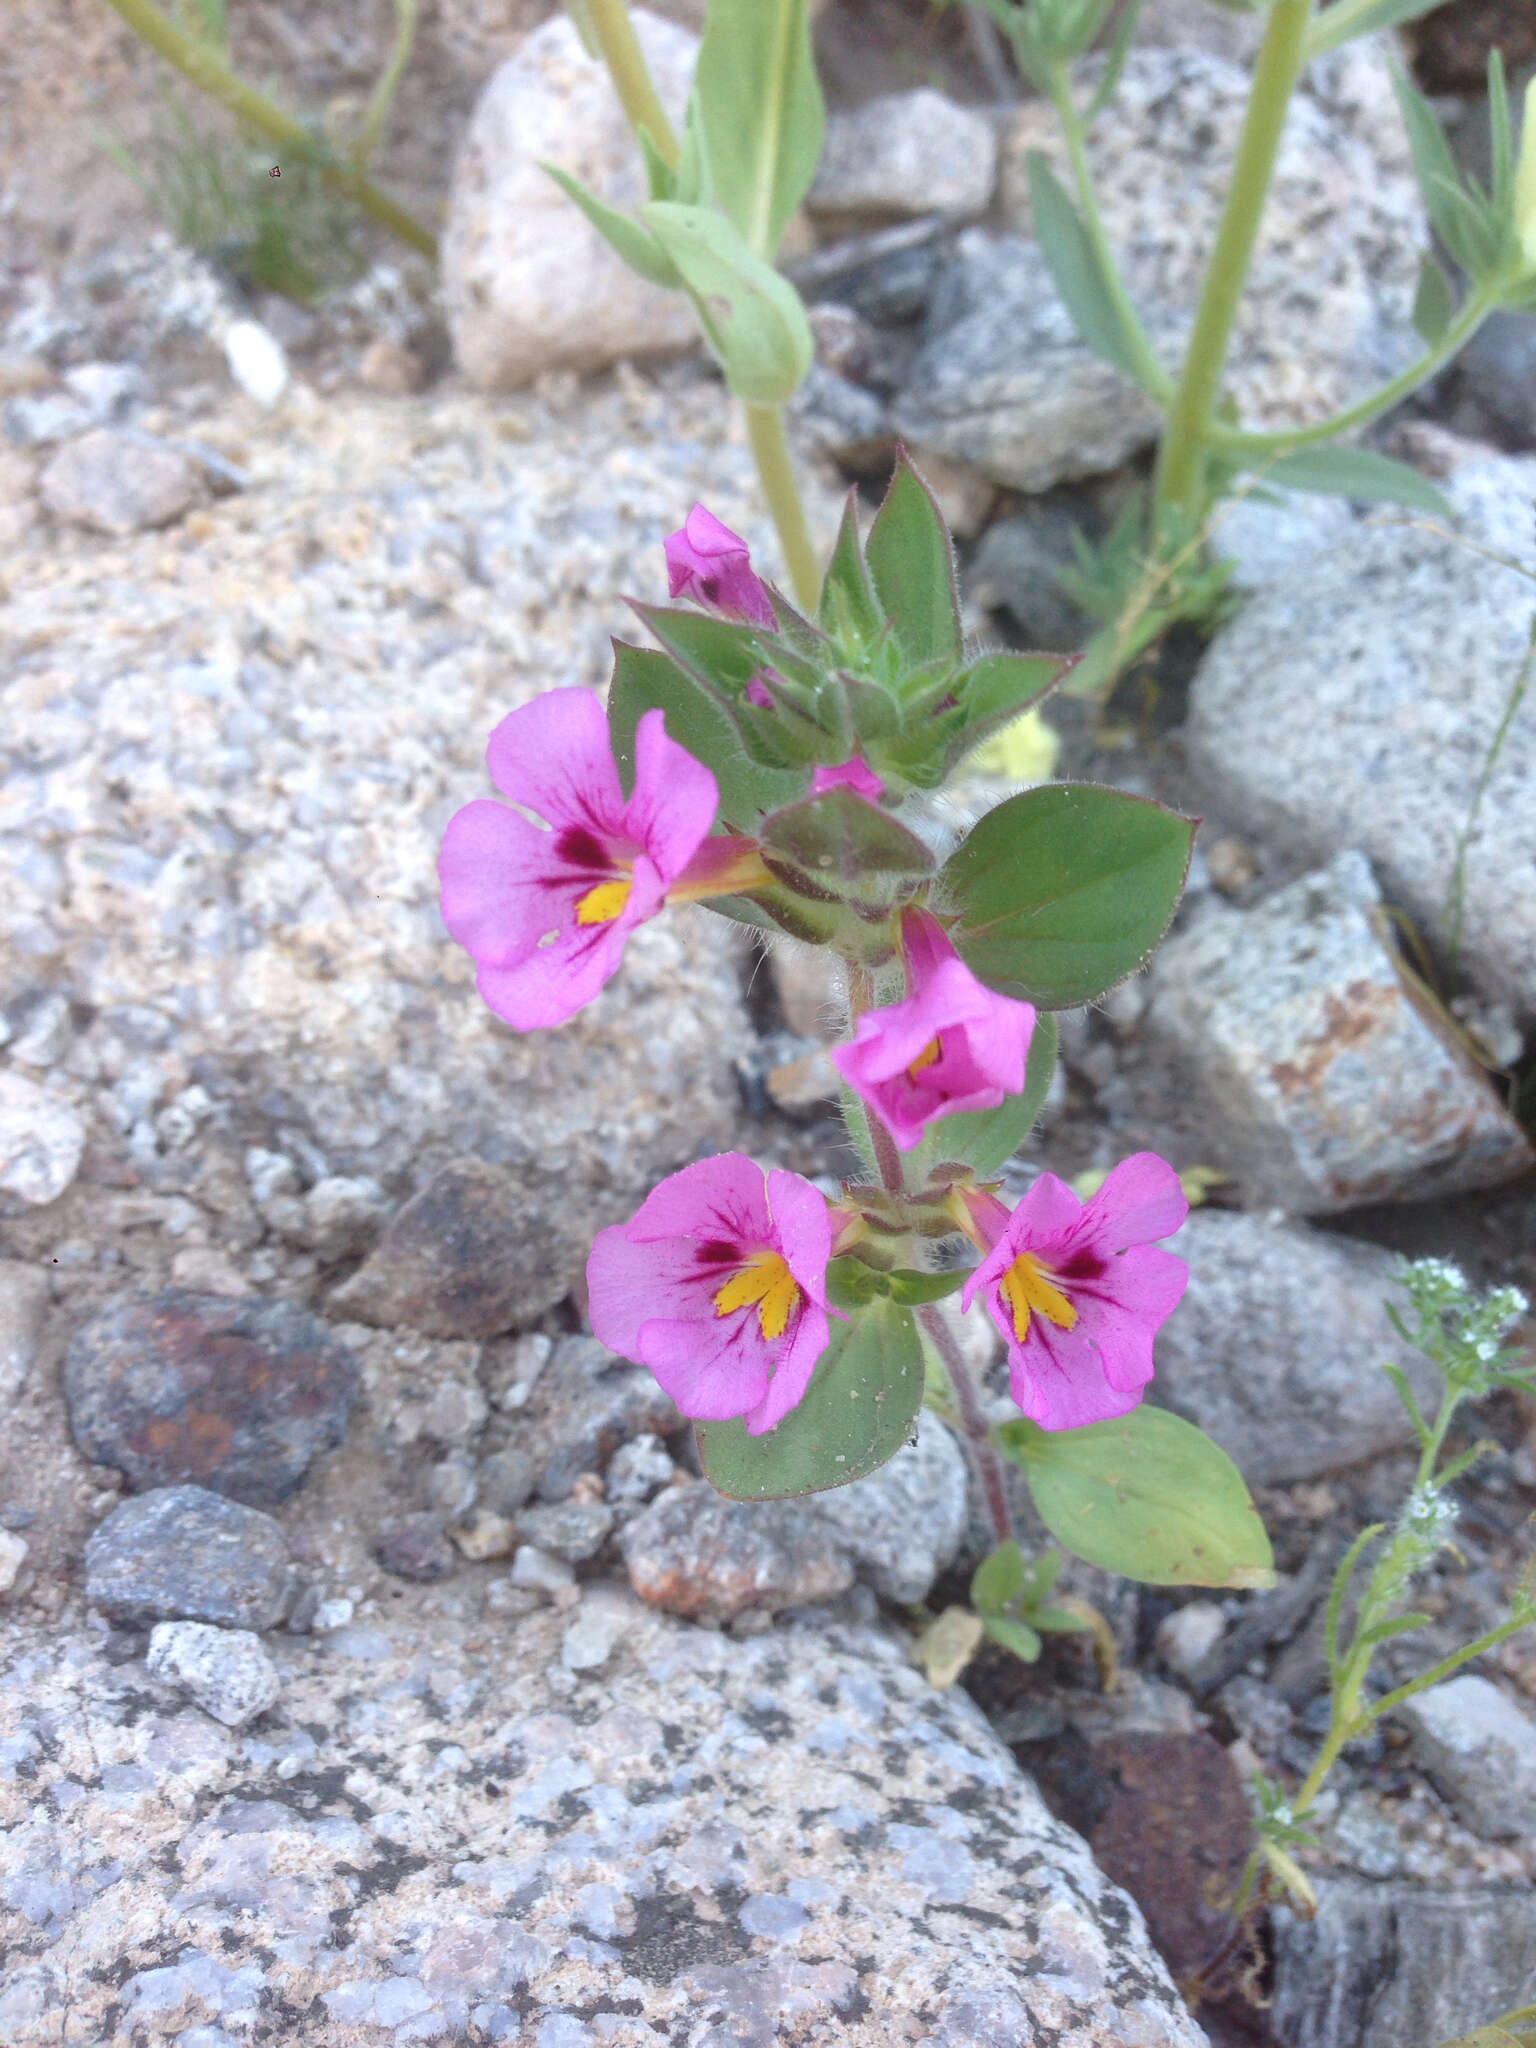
(377, 1666)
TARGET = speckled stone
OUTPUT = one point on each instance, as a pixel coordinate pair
(906, 153)
(41, 1140)
(116, 482)
(697, 1554)
(572, 1529)
(415, 1547)
(183, 1553)
(790, 1839)
(584, 1405)
(224, 1670)
(240, 1396)
(1481, 1751)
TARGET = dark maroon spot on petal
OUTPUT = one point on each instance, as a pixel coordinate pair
(709, 588)
(583, 849)
(718, 1253)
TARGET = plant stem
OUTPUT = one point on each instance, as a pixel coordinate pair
(620, 46)
(776, 473)
(861, 994)
(384, 92)
(1153, 378)
(198, 64)
(1280, 60)
(989, 1466)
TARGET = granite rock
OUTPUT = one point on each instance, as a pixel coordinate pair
(573, 1529)
(1280, 1320)
(238, 1395)
(23, 1304)
(906, 153)
(182, 1553)
(224, 1670)
(791, 1838)
(707, 1558)
(1269, 540)
(529, 283)
(13, 1555)
(639, 1469)
(1323, 1083)
(117, 482)
(887, 276)
(1396, 653)
(584, 1405)
(41, 1141)
(901, 1526)
(1480, 1749)
(468, 1256)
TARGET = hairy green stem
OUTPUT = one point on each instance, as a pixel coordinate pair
(1181, 462)
(200, 66)
(989, 1466)
(384, 92)
(620, 46)
(776, 473)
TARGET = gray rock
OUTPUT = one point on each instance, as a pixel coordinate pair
(1325, 313)
(1267, 541)
(23, 1303)
(238, 1395)
(792, 1837)
(844, 421)
(1396, 654)
(1383, 1965)
(1275, 1349)
(535, 1571)
(182, 1553)
(504, 1481)
(584, 1404)
(1015, 570)
(342, 1212)
(529, 284)
(888, 276)
(225, 1670)
(905, 153)
(588, 1643)
(119, 483)
(41, 1141)
(469, 1256)
(707, 1558)
(572, 1529)
(905, 1523)
(639, 1469)
(1323, 1083)
(415, 1547)
(483, 1534)
(1481, 1751)
(1495, 381)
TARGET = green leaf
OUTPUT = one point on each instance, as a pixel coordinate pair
(1501, 141)
(1058, 1621)
(1433, 307)
(984, 1138)
(851, 849)
(1000, 687)
(752, 318)
(1063, 891)
(912, 567)
(848, 610)
(1148, 1496)
(641, 251)
(1445, 196)
(1337, 25)
(759, 105)
(999, 1579)
(724, 653)
(1357, 473)
(1017, 1636)
(850, 1283)
(644, 680)
(913, 1289)
(1079, 277)
(862, 1402)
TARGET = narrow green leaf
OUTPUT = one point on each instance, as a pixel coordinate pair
(850, 848)
(912, 567)
(641, 251)
(848, 610)
(660, 178)
(1336, 25)
(985, 1138)
(999, 687)
(645, 680)
(1433, 306)
(1063, 891)
(1468, 227)
(1017, 1636)
(1059, 1621)
(856, 1123)
(752, 318)
(857, 1412)
(1445, 196)
(1334, 1612)
(1358, 473)
(1076, 272)
(760, 107)
(1501, 143)
(725, 653)
(913, 1289)
(1147, 1495)
(999, 1579)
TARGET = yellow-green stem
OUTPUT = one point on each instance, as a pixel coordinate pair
(620, 46)
(200, 66)
(1280, 60)
(776, 473)
(384, 92)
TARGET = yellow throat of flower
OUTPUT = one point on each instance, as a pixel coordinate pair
(1025, 1287)
(604, 903)
(925, 1058)
(764, 1281)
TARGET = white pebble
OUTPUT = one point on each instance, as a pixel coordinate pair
(13, 1552)
(535, 1568)
(256, 361)
(588, 1642)
(225, 1671)
(1188, 1634)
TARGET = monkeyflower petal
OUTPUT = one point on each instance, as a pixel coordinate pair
(950, 1044)
(1079, 1289)
(718, 1284)
(712, 565)
(545, 914)
(855, 774)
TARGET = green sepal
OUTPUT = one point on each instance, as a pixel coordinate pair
(725, 653)
(984, 1139)
(1148, 1496)
(999, 688)
(851, 1284)
(1063, 891)
(644, 680)
(752, 318)
(857, 1412)
(627, 238)
(846, 847)
(912, 569)
(1433, 306)
(1016, 1636)
(847, 610)
(914, 1289)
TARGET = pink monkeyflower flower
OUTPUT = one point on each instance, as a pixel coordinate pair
(718, 1284)
(949, 1045)
(545, 914)
(855, 774)
(1079, 1289)
(710, 564)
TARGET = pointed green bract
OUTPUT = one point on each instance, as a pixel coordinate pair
(1001, 687)
(912, 568)
(848, 609)
(752, 318)
(760, 108)
(1147, 1495)
(1433, 306)
(722, 652)
(640, 250)
(644, 680)
(857, 1412)
(1063, 891)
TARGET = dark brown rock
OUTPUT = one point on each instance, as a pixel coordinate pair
(415, 1547)
(469, 1256)
(239, 1396)
(707, 1558)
